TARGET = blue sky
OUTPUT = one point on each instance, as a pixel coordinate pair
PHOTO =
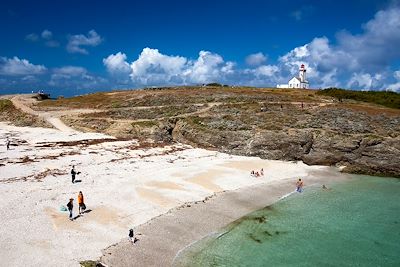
(74, 47)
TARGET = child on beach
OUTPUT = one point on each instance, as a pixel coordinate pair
(262, 172)
(299, 186)
(70, 206)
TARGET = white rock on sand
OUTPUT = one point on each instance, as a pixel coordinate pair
(123, 187)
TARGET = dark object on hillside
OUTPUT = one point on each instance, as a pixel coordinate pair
(41, 96)
(214, 84)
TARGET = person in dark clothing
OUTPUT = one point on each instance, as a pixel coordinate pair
(8, 144)
(74, 173)
(131, 236)
(70, 206)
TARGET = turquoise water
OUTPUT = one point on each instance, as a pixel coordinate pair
(356, 223)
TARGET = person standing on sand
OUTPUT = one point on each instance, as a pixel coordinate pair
(8, 143)
(81, 203)
(299, 186)
(73, 173)
(131, 236)
(70, 206)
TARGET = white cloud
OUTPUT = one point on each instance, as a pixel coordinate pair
(75, 77)
(256, 59)
(396, 75)
(208, 67)
(265, 70)
(33, 37)
(46, 37)
(15, 66)
(155, 68)
(395, 86)
(116, 63)
(76, 42)
(46, 34)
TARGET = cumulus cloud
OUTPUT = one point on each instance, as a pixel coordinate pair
(77, 42)
(256, 59)
(155, 68)
(116, 63)
(15, 66)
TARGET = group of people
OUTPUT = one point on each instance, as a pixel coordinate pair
(81, 202)
(256, 173)
(81, 206)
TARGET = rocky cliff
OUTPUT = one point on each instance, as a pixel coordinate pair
(271, 124)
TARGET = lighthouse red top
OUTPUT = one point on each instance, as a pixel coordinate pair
(302, 66)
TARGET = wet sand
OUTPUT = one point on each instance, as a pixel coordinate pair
(161, 239)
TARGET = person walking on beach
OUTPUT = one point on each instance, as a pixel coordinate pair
(81, 203)
(299, 186)
(70, 206)
(8, 142)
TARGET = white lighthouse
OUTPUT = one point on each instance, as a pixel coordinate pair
(302, 73)
(297, 82)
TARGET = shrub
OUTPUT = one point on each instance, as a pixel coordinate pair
(384, 98)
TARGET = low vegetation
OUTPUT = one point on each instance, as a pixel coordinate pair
(384, 98)
(179, 96)
(10, 114)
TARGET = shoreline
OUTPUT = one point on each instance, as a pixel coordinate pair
(125, 185)
(161, 239)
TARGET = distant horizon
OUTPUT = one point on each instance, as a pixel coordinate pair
(244, 43)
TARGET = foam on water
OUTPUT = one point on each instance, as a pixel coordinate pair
(355, 223)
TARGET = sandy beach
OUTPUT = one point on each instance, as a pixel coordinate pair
(125, 186)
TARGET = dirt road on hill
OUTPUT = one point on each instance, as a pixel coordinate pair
(23, 102)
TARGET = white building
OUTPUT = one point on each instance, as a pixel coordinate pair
(297, 82)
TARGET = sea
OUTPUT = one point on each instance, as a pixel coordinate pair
(352, 223)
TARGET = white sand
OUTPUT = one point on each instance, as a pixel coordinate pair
(123, 187)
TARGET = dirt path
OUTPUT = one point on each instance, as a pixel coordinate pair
(23, 103)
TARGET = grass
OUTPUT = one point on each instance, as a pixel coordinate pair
(387, 99)
(6, 105)
(178, 96)
(9, 113)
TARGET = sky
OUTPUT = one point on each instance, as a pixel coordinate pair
(75, 47)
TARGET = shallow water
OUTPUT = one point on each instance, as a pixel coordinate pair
(356, 223)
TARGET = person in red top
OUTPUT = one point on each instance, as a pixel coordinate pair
(81, 203)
